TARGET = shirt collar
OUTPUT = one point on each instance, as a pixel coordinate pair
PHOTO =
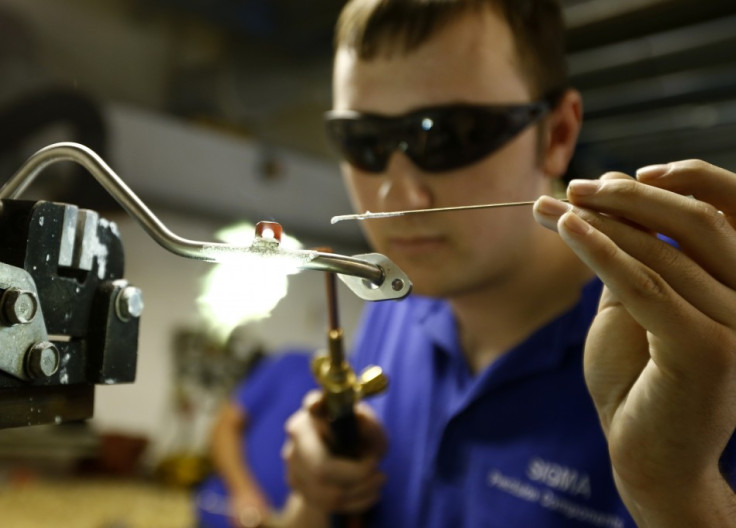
(544, 349)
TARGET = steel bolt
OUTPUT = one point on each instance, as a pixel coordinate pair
(42, 360)
(397, 285)
(19, 306)
(129, 303)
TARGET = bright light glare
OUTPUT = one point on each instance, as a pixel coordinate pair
(247, 286)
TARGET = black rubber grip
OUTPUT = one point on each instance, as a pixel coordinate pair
(345, 441)
(345, 438)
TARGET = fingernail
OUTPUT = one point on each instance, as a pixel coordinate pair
(573, 223)
(652, 172)
(548, 206)
(584, 187)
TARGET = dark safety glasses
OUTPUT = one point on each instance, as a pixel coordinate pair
(436, 139)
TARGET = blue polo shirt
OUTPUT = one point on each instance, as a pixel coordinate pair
(518, 445)
(271, 393)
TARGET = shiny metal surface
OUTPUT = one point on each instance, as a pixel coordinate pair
(380, 284)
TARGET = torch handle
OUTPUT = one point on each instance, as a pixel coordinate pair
(345, 437)
(342, 389)
(345, 441)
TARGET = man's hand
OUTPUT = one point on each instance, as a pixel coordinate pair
(660, 358)
(249, 509)
(326, 482)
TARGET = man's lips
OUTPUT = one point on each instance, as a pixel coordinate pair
(416, 243)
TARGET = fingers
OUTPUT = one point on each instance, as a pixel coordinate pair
(249, 509)
(372, 436)
(697, 178)
(704, 269)
(678, 270)
(330, 483)
(659, 357)
(249, 517)
(700, 230)
(651, 301)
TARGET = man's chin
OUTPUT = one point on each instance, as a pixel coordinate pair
(427, 287)
(447, 287)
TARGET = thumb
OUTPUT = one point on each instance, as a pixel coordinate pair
(616, 352)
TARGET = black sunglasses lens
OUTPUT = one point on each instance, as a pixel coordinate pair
(454, 137)
(436, 139)
(359, 142)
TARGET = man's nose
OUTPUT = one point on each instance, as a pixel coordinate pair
(404, 185)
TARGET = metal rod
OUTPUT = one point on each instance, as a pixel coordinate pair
(333, 318)
(340, 397)
(207, 251)
(391, 214)
(334, 332)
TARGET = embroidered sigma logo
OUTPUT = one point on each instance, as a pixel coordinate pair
(559, 477)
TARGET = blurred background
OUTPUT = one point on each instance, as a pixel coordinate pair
(211, 110)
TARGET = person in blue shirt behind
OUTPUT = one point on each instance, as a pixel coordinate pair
(523, 392)
(249, 480)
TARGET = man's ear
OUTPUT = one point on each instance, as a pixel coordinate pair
(561, 130)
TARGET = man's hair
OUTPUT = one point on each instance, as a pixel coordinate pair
(374, 28)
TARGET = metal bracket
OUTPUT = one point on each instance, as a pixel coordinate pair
(395, 283)
(19, 334)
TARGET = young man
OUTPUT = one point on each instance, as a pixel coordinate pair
(488, 421)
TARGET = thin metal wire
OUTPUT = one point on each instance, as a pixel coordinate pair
(370, 216)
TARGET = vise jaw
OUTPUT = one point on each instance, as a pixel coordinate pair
(68, 319)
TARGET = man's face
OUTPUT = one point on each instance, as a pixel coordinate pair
(446, 254)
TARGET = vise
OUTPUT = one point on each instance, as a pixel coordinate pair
(68, 319)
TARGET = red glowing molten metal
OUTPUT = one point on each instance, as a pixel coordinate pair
(272, 230)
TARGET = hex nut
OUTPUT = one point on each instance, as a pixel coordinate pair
(129, 303)
(18, 306)
(42, 360)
